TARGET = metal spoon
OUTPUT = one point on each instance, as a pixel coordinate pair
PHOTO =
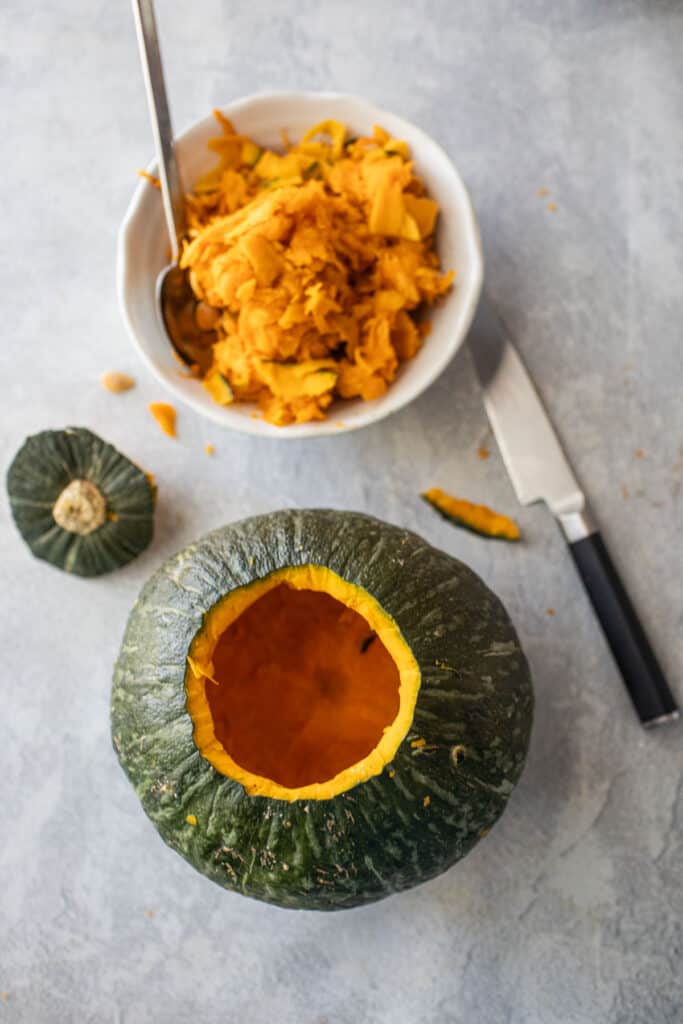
(188, 322)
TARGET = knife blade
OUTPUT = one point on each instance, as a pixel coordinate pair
(539, 471)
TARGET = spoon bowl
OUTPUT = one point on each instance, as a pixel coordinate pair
(188, 322)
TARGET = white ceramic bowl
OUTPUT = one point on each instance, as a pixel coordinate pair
(143, 252)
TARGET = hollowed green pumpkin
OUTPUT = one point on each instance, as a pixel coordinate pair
(318, 709)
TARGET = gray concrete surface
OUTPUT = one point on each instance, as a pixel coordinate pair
(572, 909)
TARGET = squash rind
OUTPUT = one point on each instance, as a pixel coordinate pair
(479, 519)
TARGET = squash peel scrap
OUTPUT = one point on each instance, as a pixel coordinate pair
(477, 518)
(318, 261)
(218, 387)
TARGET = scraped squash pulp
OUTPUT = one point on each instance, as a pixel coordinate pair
(311, 705)
(315, 264)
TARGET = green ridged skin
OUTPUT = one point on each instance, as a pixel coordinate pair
(44, 465)
(474, 712)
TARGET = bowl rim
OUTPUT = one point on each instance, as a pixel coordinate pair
(329, 426)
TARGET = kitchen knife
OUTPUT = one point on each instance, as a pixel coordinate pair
(539, 471)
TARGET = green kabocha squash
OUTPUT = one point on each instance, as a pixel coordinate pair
(79, 503)
(318, 709)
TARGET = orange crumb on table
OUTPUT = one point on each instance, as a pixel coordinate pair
(552, 207)
(483, 453)
(4, 996)
(550, 611)
(625, 493)
(150, 913)
(116, 382)
(639, 453)
(165, 415)
(151, 178)
(209, 449)
(542, 192)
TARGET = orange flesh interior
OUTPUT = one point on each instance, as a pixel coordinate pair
(301, 688)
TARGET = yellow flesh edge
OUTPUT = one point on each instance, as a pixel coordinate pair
(199, 675)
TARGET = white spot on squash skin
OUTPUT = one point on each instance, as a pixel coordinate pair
(458, 754)
(500, 650)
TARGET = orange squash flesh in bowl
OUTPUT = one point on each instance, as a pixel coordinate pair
(318, 262)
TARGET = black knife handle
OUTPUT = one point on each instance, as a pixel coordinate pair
(639, 667)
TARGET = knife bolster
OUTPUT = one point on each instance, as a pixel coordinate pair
(577, 525)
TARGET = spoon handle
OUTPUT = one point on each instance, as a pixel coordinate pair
(171, 185)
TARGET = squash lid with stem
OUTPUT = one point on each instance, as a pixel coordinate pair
(79, 503)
